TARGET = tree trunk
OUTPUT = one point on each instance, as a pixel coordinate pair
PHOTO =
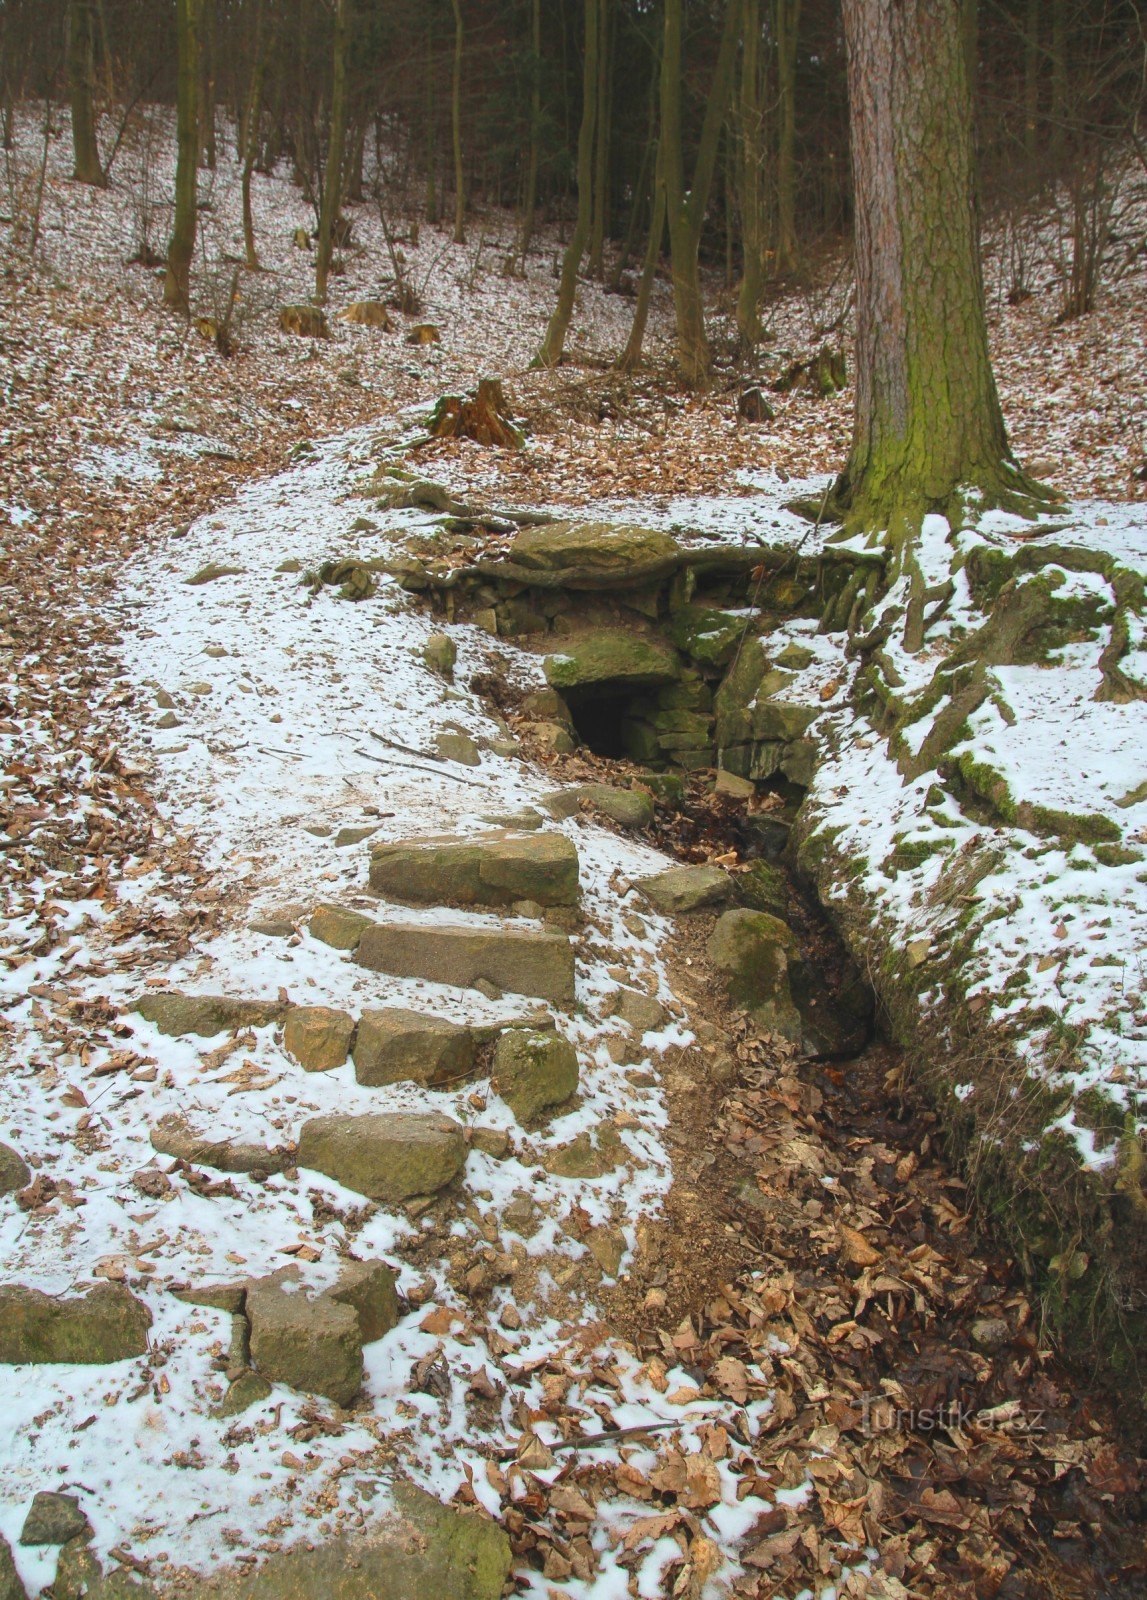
(177, 282)
(431, 126)
(530, 197)
(685, 210)
(601, 154)
(252, 122)
(81, 71)
(787, 22)
(630, 357)
(332, 179)
(1031, 82)
(928, 423)
(750, 128)
(1058, 82)
(456, 118)
(554, 342)
(207, 85)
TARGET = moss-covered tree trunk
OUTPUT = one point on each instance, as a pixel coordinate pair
(456, 117)
(252, 123)
(630, 358)
(787, 23)
(177, 282)
(601, 151)
(554, 342)
(336, 145)
(530, 191)
(81, 71)
(750, 151)
(928, 421)
(685, 208)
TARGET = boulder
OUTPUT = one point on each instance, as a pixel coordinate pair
(11, 1587)
(366, 314)
(206, 1015)
(368, 1288)
(14, 1173)
(595, 555)
(106, 1324)
(313, 1345)
(684, 889)
(318, 1037)
(518, 961)
(754, 951)
(309, 322)
(54, 1519)
(386, 1156)
(534, 1071)
(338, 926)
(612, 660)
(629, 808)
(490, 869)
(172, 1136)
(394, 1045)
(440, 654)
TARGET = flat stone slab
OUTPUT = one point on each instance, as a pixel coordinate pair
(595, 555)
(492, 870)
(518, 961)
(385, 1156)
(684, 889)
(106, 1324)
(629, 808)
(205, 1015)
(395, 1045)
(612, 659)
(173, 1136)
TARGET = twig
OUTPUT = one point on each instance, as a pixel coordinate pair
(594, 1440)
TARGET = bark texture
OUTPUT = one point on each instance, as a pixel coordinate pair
(928, 419)
(332, 180)
(81, 56)
(177, 282)
(550, 353)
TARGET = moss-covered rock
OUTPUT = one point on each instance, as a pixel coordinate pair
(595, 555)
(534, 1072)
(106, 1324)
(612, 660)
(14, 1172)
(706, 635)
(629, 808)
(754, 951)
(310, 1344)
(339, 926)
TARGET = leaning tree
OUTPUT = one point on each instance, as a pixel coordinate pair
(928, 432)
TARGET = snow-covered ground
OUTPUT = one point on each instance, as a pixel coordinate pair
(284, 701)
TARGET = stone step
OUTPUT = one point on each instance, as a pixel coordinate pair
(495, 870)
(386, 1156)
(106, 1324)
(517, 961)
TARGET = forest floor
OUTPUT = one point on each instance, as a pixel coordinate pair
(740, 1271)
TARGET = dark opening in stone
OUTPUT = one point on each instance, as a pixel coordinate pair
(598, 721)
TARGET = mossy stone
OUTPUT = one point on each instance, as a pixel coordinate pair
(107, 1324)
(494, 870)
(385, 1156)
(534, 1071)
